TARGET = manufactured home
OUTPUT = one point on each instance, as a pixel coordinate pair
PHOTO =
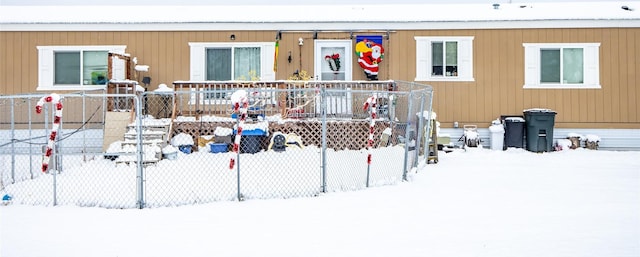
(484, 61)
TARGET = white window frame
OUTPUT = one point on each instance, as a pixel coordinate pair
(198, 61)
(46, 67)
(424, 61)
(591, 65)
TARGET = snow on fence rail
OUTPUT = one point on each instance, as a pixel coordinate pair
(322, 148)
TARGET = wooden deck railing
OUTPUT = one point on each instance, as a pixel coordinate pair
(290, 99)
(125, 87)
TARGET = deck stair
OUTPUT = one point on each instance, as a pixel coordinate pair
(154, 138)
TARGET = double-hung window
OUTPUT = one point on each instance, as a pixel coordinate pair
(231, 62)
(74, 67)
(565, 65)
(444, 58)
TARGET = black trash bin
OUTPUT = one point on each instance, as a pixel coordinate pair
(251, 140)
(540, 124)
(250, 143)
(513, 131)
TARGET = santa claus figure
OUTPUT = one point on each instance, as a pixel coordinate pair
(369, 54)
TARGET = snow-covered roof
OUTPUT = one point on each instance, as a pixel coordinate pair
(291, 17)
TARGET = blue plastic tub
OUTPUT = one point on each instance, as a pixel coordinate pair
(219, 147)
(185, 149)
(251, 132)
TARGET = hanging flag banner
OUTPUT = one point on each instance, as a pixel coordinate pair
(275, 56)
(370, 53)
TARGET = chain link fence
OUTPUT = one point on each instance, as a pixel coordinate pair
(174, 147)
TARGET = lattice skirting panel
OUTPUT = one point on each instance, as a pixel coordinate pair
(341, 135)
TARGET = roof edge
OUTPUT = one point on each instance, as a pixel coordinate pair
(317, 26)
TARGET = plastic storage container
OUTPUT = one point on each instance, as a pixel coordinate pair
(219, 147)
(540, 124)
(170, 156)
(251, 140)
(250, 143)
(185, 148)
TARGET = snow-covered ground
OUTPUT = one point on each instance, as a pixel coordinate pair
(476, 203)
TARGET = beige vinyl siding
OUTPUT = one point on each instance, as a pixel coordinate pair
(499, 77)
(498, 68)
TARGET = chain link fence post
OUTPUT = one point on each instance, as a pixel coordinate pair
(323, 112)
(13, 146)
(429, 128)
(140, 155)
(420, 143)
(407, 137)
(237, 153)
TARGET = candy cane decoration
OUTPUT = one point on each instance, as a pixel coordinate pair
(371, 105)
(55, 100)
(240, 104)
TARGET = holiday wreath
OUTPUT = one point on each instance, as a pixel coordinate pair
(334, 61)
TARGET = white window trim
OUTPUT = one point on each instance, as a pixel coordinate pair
(465, 58)
(532, 66)
(46, 63)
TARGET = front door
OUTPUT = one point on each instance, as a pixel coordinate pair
(333, 59)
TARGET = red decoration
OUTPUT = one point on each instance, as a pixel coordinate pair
(334, 62)
(239, 98)
(370, 104)
(55, 99)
